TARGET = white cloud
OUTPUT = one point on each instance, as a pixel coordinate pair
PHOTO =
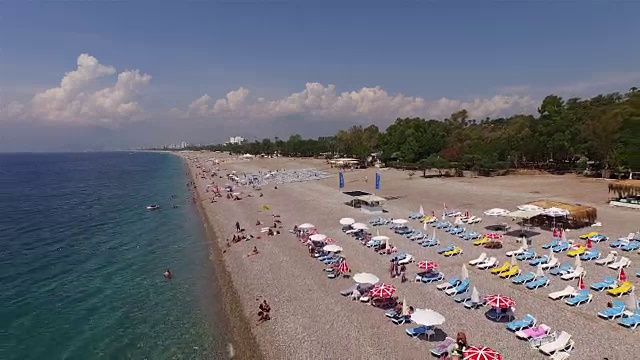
(76, 101)
(369, 103)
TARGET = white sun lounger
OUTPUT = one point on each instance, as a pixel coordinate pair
(608, 260)
(563, 342)
(479, 259)
(566, 292)
(474, 220)
(515, 252)
(551, 264)
(579, 271)
(406, 260)
(623, 262)
(489, 263)
(560, 355)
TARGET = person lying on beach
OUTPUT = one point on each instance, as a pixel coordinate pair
(258, 222)
(262, 317)
(264, 306)
(253, 252)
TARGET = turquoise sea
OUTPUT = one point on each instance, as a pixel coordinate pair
(82, 260)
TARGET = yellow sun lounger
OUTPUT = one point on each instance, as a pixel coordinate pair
(505, 267)
(515, 270)
(577, 251)
(588, 235)
(624, 288)
(427, 219)
(455, 251)
(481, 241)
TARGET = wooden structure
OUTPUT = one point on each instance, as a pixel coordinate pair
(579, 215)
(628, 193)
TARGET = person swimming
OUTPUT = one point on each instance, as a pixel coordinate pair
(167, 274)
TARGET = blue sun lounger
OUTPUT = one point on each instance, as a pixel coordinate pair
(448, 284)
(446, 248)
(607, 283)
(538, 283)
(562, 246)
(553, 243)
(560, 270)
(524, 278)
(632, 246)
(592, 254)
(462, 297)
(527, 255)
(417, 331)
(631, 322)
(520, 324)
(431, 276)
(539, 260)
(614, 311)
(581, 297)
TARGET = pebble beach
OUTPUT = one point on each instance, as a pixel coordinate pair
(311, 320)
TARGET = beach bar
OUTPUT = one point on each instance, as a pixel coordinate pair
(369, 204)
(628, 193)
(577, 215)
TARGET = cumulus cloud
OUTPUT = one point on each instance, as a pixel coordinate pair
(77, 101)
(371, 103)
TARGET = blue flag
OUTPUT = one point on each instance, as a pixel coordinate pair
(378, 181)
(341, 179)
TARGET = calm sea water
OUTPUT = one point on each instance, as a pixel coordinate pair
(82, 260)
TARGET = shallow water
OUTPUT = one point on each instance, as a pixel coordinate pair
(81, 260)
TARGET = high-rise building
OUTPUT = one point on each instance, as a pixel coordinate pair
(236, 140)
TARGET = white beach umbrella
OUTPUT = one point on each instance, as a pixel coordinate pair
(475, 296)
(529, 207)
(332, 248)
(464, 274)
(525, 244)
(366, 278)
(405, 308)
(427, 317)
(380, 238)
(377, 232)
(631, 303)
(577, 263)
(496, 212)
(539, 272)
(306, 226)
(400, 221)
(555, 212)
(386, 244)
(424, 225)
(421, 211)
(318, 237)
(360, 226)
(347, 221)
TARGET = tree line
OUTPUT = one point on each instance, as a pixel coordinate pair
(600, 133)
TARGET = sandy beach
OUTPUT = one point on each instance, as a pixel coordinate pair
(311, 320)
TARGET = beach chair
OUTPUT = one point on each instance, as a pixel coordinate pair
(399, 320)
(638, 273)
(610, 259)
(462, 297)
(588, 235)
(561, 270)
(474, 220)
(430, 242)
(614, 311)
(505, 266)
(460, 288)
(479, 259)
(577, 251)
(551, 264)
(527, 255)
(406, 260)
(538, 283)
(539, 260)
(560, 355)
(566, 292)
(563, 342)
(417, 331)
(533, 332)
(432, 277)
(348, 291)
(599, 238)
(579, 298)
(562, 246)
(620, 242)
(524, 278)
(609, 282)
(442, 347)
(446, 248)
(471, 236)
(631, 322)
(576, 273)
(499, 314)
(448, 284)
(622, 262)
(632, 246)
(481, 241)
(622, 289)
(487, 264)
(515, 252)
(456, 251)
(553, 243)
(521, 324)
(589, 255)
(513, 271)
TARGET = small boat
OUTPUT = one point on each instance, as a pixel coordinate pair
(153, 207)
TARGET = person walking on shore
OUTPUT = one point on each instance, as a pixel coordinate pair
(237, 226)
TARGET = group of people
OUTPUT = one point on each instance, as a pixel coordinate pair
(397, 270)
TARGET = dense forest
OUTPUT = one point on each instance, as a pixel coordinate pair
(601, 133)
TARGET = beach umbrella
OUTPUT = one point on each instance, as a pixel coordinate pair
(346, 221)
(525, 245)
(332, 248)
(622, 276)
(377, 232)
(329, 240)
(589, 244)
(499, 301)
(496, 212)
(480, 353)
(581, 282)
(555, 212)
(464, 273)
(380, 238)
(631, 303)
(427, 317)
(343, 267)
(529, 207)
(360, 226)
(405, 308)
(318, 237)
(494, 236)
(365, 278)
(539, 272)
(424, 225)
(306, 226)
(421, 211)
(563, 235)
(400, 221)
(556, 233)
(383, 290)
(427, 265)
(475, 296)
(386, 243)
(577, 263)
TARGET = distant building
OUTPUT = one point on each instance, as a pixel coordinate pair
(184, 145)
(237, 140)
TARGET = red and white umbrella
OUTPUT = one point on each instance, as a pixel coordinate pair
(466, 214)
(343, 267)
(494, 236)
(581, 283)
(499, 301)
(481, 353)
(622, 276)
(383, 291)
(427, 265)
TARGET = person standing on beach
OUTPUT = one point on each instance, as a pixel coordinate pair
(237, 226)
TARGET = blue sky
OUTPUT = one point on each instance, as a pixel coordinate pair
(467, 52)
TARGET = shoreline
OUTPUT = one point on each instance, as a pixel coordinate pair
(241, 343)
